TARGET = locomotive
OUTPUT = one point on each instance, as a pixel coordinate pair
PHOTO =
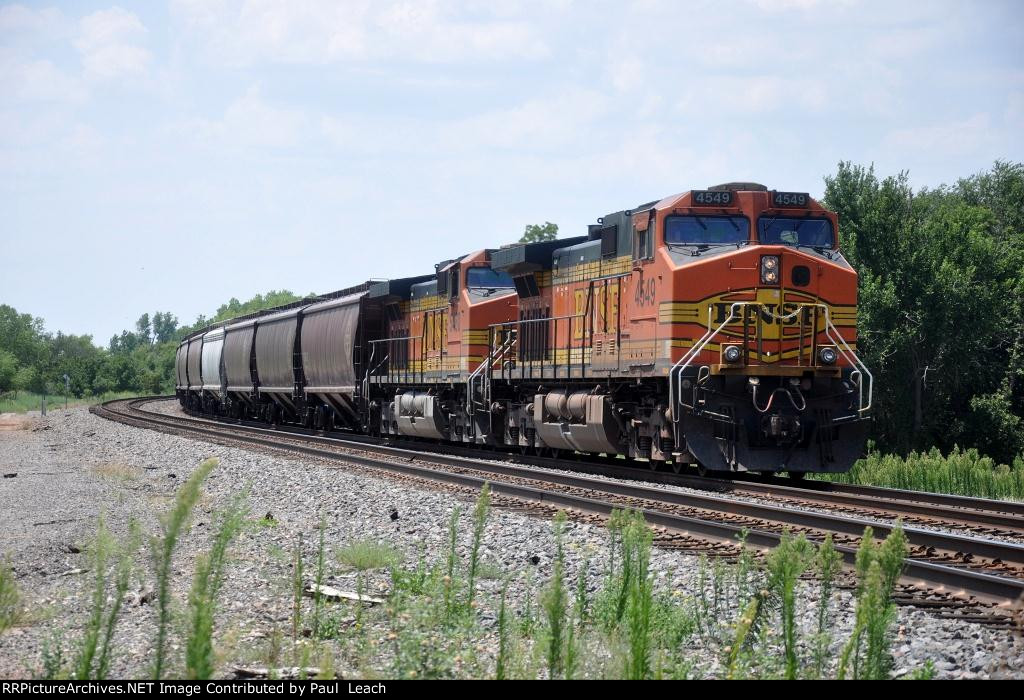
(714, 328)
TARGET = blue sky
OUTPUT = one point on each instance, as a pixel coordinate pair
(169, 156)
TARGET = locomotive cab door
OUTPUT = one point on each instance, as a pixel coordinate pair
(605, 323)
(638, 296)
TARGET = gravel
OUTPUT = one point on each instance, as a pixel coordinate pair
(172, 408)
(72, 467)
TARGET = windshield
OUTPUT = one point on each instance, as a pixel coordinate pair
(486, 277)
(706, 230)
(816, 233)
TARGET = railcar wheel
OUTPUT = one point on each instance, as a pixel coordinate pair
(702, 470)
(796, 476)
(677, 467)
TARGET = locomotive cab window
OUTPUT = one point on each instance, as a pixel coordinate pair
(706, 230)
(643, 246)
(453, 283)
(784, 230)
(486, 278)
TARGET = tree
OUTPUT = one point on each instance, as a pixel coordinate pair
(535, 233)
(21, 335)
(164, 327)
(8, 371)
(940, 302)
(24, 379)
(125, 343)
(144, 328)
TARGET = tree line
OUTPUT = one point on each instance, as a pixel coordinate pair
(941, 305)
(941, 314)
(139, 360)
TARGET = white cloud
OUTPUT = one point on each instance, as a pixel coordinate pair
(791, 5)
(737, 96)
(542, 123)
(109, 42)
(249, 120)
(958, 137)
(626, 72)
(244, 32)
(1014, 115)
(567, 119)
(18, 20)
(252, 120)
(37, 80)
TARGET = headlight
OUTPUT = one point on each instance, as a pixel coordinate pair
(827, 356)
(731, 353)
(770, 269)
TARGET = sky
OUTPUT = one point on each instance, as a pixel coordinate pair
(169, 156)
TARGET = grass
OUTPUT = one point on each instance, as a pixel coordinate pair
(206, 585)
(364, 555)
(28, 401)
(297, 590)
(554, 600)
(439, 620)
(785, 565)
(117, 471)
(113, 566)
(96, 647)
(961, 472)
(483, 505)
(12, 606)
(173, 524)
(866, 654)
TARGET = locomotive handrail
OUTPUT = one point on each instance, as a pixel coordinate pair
(553, 349)
(372, 370)
(831, 332)
(390, 372)
(495, 354)
(679, 367)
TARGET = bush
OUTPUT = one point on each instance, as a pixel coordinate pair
(369, 554)
(11, 606)
(963, 472)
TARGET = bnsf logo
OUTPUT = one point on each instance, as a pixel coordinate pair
(769, 314)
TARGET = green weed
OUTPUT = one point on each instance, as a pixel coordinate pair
(866, 654)
(206, 585)
(963, 472)
(12, 607)
(173, 524)
(93, 661)
(479, 523)
(363, 555)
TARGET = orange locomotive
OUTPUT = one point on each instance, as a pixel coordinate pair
(715, 327)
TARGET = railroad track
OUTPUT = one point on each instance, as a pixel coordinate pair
(991, 518)
(942, 569)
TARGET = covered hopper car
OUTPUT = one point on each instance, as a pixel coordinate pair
(715, 328)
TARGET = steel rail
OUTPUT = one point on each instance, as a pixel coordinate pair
(953, 510)
(1006, 515)
(956, 580)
